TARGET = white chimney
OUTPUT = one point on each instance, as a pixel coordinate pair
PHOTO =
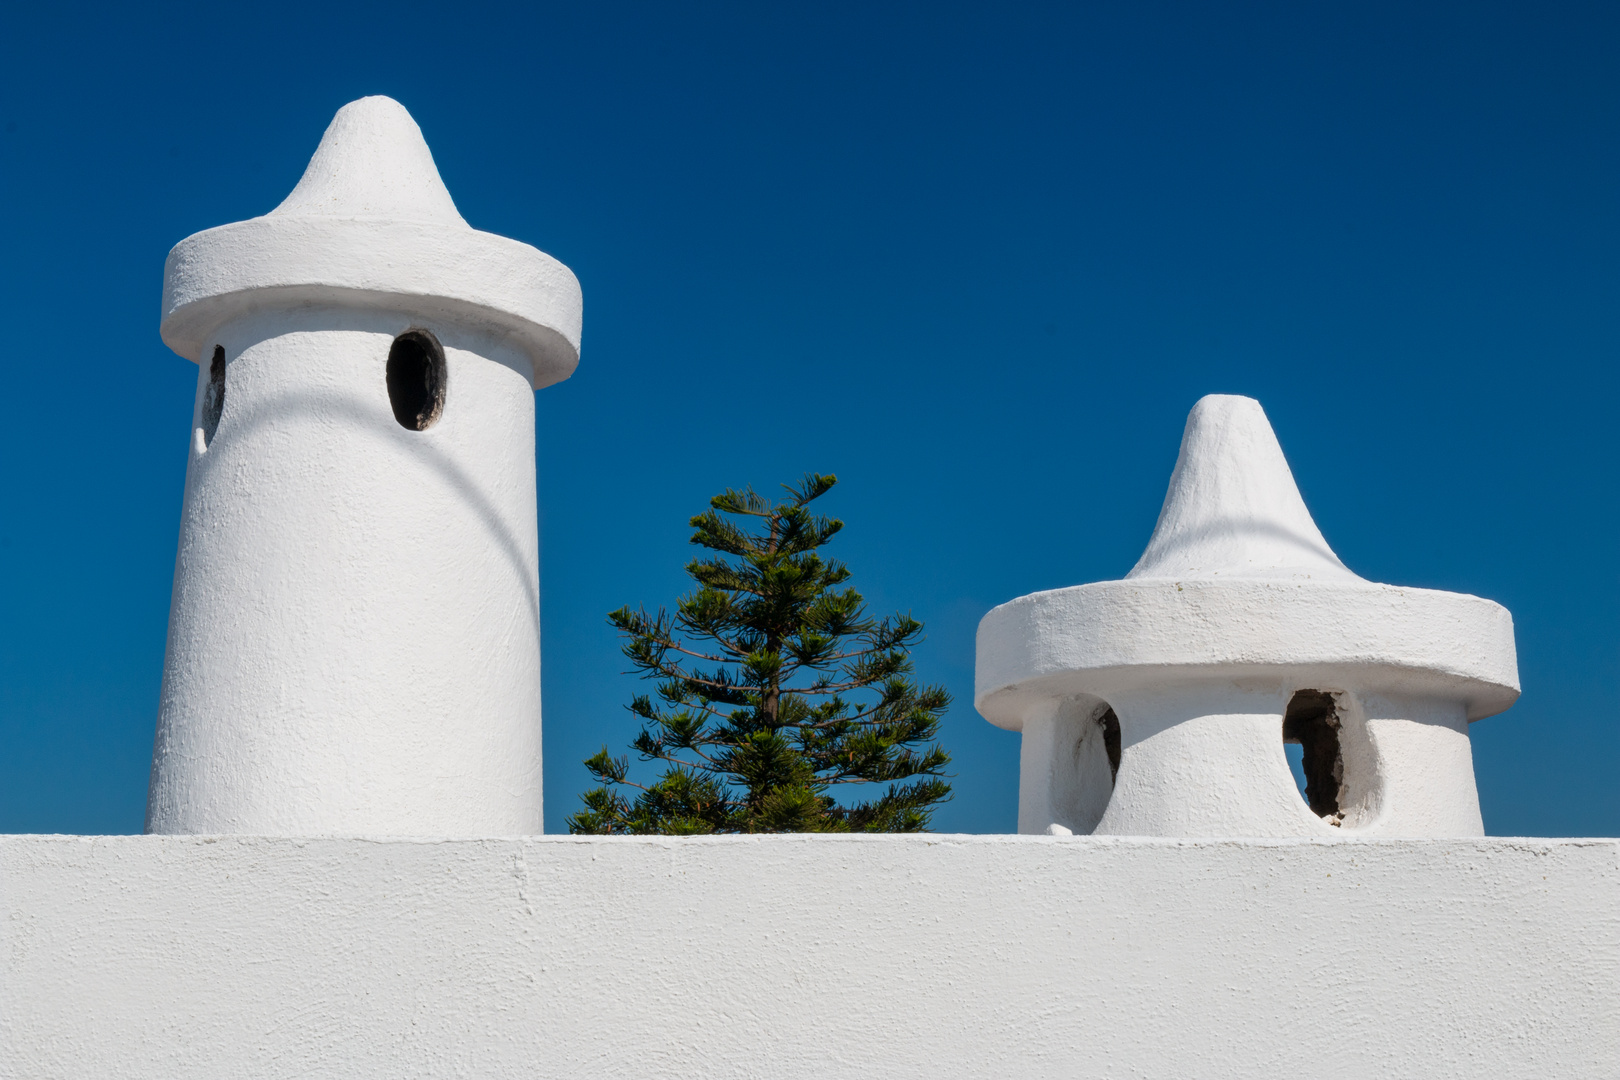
(354, 632)
(1159, 705)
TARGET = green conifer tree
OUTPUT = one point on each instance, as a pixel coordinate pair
(775, 692)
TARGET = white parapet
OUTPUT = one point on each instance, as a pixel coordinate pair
(808, 956)
(1159, 704)
(354, 630)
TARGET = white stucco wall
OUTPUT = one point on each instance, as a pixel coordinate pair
(786, 956)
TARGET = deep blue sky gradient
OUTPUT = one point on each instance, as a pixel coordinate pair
(979, 262)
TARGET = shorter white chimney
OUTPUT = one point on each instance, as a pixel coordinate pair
(1159, 705)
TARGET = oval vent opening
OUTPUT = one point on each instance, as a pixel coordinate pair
(416, 378)
(213, 402)
(1110, 726)
(1312, 724)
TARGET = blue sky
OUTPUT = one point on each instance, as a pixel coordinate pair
(977, 261)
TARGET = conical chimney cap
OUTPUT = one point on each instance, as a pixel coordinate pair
(1233, 509)
(373, 163)
(1238, 583)
(371, 226)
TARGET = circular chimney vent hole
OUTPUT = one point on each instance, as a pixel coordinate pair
(1312, 724)
(416, 378)
(213, 402)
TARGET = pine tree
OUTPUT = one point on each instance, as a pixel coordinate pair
(775, 691)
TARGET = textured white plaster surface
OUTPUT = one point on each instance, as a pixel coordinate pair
(354, 630)
(784, 956)
(1236, 604)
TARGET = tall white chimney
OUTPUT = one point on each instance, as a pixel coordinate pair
(354, 635)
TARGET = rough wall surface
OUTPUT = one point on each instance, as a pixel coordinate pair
(169, 956)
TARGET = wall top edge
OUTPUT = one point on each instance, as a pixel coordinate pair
(1483, 843)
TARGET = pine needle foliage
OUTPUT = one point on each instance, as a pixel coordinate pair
(775, 693)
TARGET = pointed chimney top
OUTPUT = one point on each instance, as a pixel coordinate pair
(1237, 582)
(372, 163)
(371, 225)
(1233, 509)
